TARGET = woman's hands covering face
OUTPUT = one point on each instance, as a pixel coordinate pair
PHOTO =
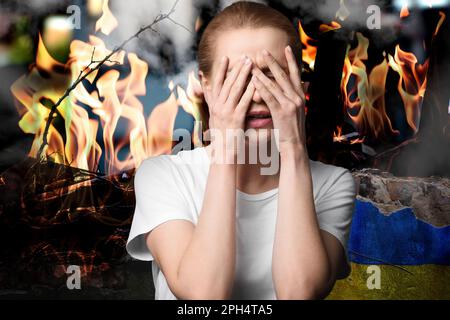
(230, 96)
(284, 97)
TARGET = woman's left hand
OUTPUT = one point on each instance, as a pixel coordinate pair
(285, 99)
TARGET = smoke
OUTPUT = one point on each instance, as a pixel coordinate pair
(44, 5)
(172, 41)
(172, 47)
(355, 11)
(35, 7)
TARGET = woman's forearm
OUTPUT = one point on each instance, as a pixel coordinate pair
(301, 269)
(207, 268)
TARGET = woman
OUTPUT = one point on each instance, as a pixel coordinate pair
(221, 229)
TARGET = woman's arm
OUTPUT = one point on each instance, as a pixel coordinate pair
(305, 259)
(199, 263)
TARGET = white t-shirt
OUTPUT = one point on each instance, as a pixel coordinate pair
(171, 187)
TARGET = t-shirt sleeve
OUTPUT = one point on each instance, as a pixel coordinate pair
(335, 207)
(158, 199)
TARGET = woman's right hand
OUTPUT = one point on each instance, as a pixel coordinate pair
(228, 101)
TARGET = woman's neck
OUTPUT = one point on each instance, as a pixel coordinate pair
(250, 180)
(251, 177)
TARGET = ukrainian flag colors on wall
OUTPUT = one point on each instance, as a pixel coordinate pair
(395, 256)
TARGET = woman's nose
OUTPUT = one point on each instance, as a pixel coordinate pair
(258, 61)
(256, 97)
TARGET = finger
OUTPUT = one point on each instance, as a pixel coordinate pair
(231, 78)
(266, 95)
(220, 76)
(294, 72)
(246, 99)
(280, 75)
(270, 86)
(240, 83)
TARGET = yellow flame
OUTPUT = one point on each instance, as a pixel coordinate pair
(115, 102)
(309, 51)
(367, 110)
(329, 27)
(107, 22)
(411, 84)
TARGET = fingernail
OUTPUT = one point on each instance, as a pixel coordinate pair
(248, 61)
(289, 48)
(224, 58)
(243, 57)
(265, 52)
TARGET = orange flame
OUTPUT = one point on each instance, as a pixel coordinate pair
(440, 22)
(411, 84)
(404, 12)
(127, 135)
(339, 137)
(369, 106)
(107, 22)
(44, 61)
(367, 109)
(328, 27)
(309, 50)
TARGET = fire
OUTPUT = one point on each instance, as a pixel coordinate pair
(364, 100)
(412, 79)
(309, 45)
(107, 21)
(411, 84)
(110, 115)
(404, 12)
(363, 91)
(328, 27)
(309, 50)
(367, 109)
(339, 137)
(103, 119)
(440, 22)
(44, 61)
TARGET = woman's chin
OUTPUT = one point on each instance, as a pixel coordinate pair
(255, 135)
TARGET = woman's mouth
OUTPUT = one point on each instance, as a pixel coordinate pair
(258, 119)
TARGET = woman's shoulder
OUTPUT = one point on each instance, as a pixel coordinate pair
(325, 168)
(193, 156)
(165, 164)
(330, 175)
